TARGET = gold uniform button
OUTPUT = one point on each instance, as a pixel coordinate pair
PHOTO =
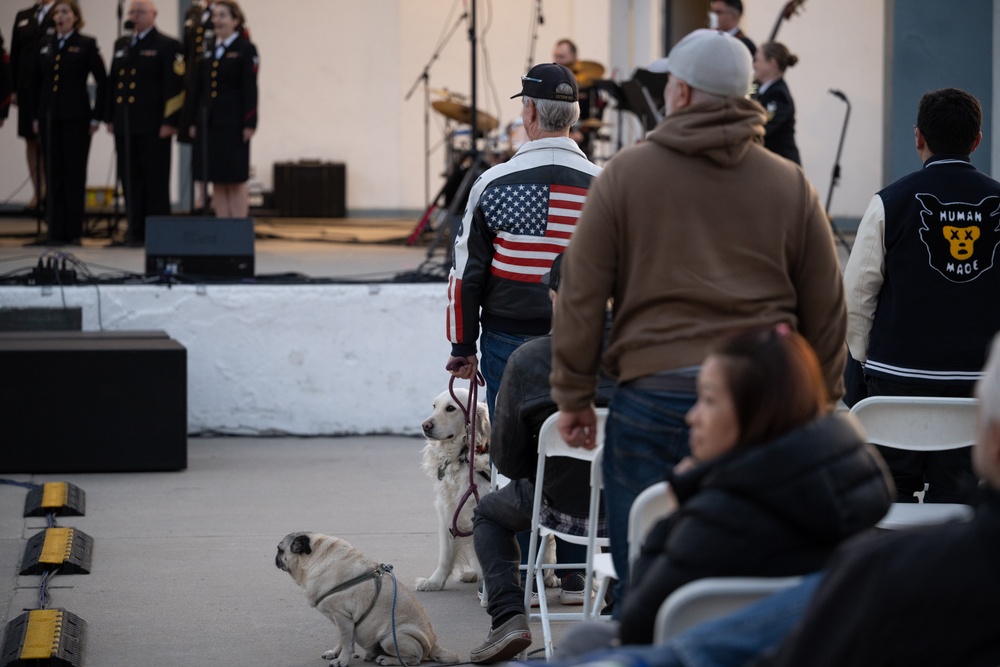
(131, 86)
(58, 57)
(131, 100)
(215, 84)
(215, 64)
(214, 74)
(56, 67)
(55, 89)
(133, 71)
(119, 99)
(214, 94)
(55, 78)
(121, 72)
(120, 85)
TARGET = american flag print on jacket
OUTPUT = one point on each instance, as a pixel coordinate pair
(520, 216)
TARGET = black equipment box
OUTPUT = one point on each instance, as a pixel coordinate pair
(307, 189)
(73, 402)
(195, 247)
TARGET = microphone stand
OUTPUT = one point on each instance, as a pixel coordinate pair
(116, 215)
(425, 78)
(537, 21)
(42, 209)
(461, 195)
(50, 209)
(201, 138)
(835, 177)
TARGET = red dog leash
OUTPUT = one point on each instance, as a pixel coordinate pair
(470, 412)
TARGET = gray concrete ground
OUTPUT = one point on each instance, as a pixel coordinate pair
(183, 562)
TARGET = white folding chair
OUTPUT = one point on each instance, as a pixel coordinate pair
(550, 444)
(647, 509)
(714, 597)
(924, 424)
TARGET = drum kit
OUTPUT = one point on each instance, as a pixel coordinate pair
(501, 145)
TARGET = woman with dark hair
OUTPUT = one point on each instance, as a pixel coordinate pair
(769, 65)
(67, 119)
(225, 105)
(773, 484)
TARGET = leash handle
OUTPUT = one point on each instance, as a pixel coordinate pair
(470, 411)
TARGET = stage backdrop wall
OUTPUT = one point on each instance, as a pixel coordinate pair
(334, 74)
(267, 360)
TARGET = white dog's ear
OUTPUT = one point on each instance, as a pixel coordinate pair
(300, 545)
(482, 424)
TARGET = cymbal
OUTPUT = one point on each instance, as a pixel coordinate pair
(463, 114)
(587, 72)
(447, 94)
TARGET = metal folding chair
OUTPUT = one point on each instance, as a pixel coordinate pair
(550, 444)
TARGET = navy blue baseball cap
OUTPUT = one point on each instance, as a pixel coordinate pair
(543, 81)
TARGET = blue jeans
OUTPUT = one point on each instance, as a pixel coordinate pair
(730, 641)
(645, 437)
(495, 348)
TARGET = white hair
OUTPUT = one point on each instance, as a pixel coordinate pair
(554, 115)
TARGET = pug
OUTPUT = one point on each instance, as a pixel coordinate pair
(356, 593)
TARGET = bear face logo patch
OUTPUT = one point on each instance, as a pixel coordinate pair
(961, 238)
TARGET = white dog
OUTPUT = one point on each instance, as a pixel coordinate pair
(446, 460)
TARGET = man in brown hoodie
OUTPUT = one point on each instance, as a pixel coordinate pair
(695, 232)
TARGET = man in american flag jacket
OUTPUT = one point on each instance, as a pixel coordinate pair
(520, 216)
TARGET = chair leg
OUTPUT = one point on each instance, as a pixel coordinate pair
(543, 605)
(602, 591)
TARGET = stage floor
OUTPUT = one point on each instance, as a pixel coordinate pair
(349, 249)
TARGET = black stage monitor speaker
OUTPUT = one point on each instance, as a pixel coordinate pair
(200, 247)
(310, 189)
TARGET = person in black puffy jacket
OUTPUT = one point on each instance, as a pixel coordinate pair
(773, 484)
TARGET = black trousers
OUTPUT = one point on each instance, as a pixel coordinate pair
(144, 165)
(949, 473)
(66, 147)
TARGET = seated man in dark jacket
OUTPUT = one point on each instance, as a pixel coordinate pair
(523, 405)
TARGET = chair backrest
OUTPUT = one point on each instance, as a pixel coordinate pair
(705, 599)
(921, 423)
(551, 443)
(648, 508)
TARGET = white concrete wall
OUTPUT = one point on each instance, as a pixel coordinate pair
(840, 46)
(301, 360)
(334, 74)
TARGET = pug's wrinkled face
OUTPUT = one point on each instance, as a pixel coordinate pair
(290, 549)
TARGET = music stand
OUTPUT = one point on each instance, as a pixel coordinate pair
(637, 99)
